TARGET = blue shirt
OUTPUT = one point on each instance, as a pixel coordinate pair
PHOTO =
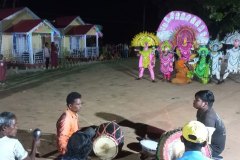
(193, 155)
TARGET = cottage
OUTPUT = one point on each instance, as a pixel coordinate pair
(23, 35)
(79, 40)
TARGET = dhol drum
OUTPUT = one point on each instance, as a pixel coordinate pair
(170, 146)
(149, 146)
(109, 140)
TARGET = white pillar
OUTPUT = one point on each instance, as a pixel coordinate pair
(30, 49)
(1, 37)
(85, 45)
(52, 36)
(97, 48)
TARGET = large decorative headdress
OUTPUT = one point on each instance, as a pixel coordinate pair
(218, 45)
(166, 44)
(178, 25)
(203, 51)
(231, 37)
(182, 33)
(145, 37)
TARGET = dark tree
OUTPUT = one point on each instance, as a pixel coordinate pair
(224, 13)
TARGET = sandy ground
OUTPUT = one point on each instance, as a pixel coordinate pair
(110, 93)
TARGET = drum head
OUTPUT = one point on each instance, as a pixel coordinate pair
(149, 146)
(111, 129)
(170, 146)
(105, 147)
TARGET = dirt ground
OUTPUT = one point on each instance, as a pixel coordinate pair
(110, 93)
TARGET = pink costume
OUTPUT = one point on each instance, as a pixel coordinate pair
(146, 60)
(166, 64)
(185, 51)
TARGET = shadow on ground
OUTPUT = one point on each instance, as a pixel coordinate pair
(142, 131)
(47, 147)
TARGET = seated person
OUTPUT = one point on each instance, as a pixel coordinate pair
(79, 145)
(10, 147)
(206, 114)
(68, 122)
(194, 136)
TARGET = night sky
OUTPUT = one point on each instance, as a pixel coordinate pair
(121, 19)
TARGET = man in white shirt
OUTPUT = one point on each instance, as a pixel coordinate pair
(46, 52)
(10, 147)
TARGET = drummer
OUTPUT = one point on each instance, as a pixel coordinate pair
(68, 123)
(194, 136)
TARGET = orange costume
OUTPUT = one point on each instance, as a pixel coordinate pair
(181, 75)
(66, 125)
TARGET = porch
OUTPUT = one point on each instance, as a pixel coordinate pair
(88, 53)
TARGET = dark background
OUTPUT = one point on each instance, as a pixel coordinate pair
(120, 19)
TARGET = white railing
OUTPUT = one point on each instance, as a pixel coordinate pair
(24, 56)
(38, 57)
(92, 52)
(88, 52)
(78, 53)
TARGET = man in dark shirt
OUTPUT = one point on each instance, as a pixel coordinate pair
(203, 102)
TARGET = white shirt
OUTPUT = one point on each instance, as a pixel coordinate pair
(11, 148)
(46, 52)
(233, 59)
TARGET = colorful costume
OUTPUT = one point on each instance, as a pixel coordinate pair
(216, 58)
(185, 51)
(181, 75)
(147, 55)
(232, 54)
(166, 60)
(146, 60)
(183, 30)
(202, 70)
(66, 125)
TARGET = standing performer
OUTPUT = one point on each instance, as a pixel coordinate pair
(216, 57)
(147, 55)
(202, 69)
(146, 60)
(185, 49)
(166, 60)
(185, 31)
(233, 54)
(181, 73)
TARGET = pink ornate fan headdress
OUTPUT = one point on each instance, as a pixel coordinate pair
(178, 25)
